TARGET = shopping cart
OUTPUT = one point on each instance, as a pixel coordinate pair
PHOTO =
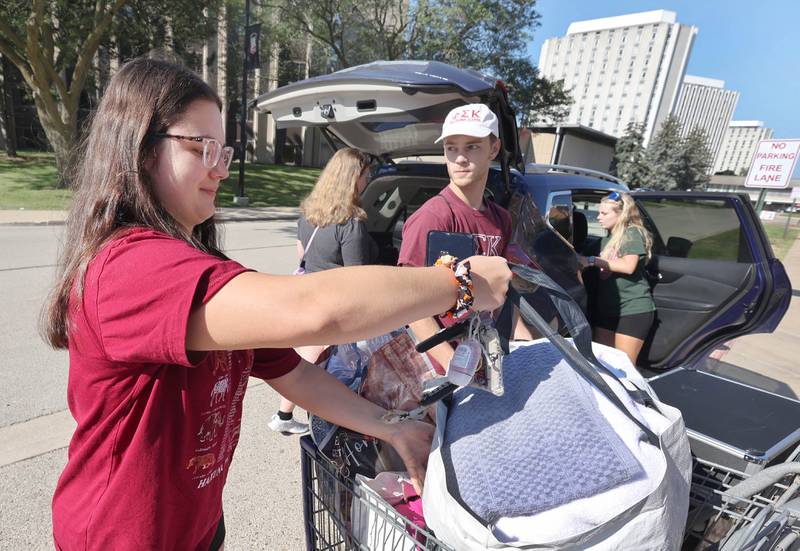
(731, 511)
(341, 515)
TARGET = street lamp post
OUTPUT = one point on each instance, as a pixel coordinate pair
(239, 197)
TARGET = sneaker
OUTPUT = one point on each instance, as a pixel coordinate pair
(287, 427)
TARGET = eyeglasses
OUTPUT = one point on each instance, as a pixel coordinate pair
(213, 151)
(614, 196)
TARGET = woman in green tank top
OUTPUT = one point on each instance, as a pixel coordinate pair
(625, 308)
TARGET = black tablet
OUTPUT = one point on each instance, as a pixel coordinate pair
(460, 245)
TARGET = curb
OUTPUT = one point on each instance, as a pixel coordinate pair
(32, 223)
(221, 218)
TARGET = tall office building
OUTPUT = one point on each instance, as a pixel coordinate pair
(704, 103)
(739, 145)
(621, 69)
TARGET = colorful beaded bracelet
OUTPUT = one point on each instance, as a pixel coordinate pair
(463, 280)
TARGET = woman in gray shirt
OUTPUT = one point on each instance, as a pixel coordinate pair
(331, 233)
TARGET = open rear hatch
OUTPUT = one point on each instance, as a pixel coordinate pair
(392, 109)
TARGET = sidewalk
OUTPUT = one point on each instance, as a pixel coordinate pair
(768, 360)
(23, 217)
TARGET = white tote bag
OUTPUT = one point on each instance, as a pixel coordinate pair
(647, 511)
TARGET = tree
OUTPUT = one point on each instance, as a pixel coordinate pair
(488, 35)
(52, 44)
(7, 109)
(695, 159)
(535, 98)
(629, 157)
(663, 156)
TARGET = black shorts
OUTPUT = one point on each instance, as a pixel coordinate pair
(219, 535)
(635, 325)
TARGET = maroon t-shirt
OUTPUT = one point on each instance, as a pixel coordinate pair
(490, 226)
(156, 432)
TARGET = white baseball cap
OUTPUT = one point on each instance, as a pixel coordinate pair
(475, 119)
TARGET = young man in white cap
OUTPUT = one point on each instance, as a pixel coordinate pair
(471, 142)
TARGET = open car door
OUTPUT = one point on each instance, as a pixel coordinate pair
(713, 274)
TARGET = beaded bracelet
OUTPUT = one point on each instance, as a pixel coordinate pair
(463, 280)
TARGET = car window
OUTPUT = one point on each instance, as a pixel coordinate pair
(559, 214)
(589, 207)
(707, 229)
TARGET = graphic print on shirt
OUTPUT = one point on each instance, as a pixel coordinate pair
(220, 390)
(488, 245)
(218, 433)
(222, 362)
(209, 426)
(201, 462)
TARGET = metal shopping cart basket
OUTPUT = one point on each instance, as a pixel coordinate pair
(339, 515)
(731, 511)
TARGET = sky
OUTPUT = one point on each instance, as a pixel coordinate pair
(753, 46)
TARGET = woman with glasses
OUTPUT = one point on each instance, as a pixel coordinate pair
(331, 233)
(163, 330)
(625, 309)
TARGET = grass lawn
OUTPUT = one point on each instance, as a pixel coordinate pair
(725, 246)
(721, 246)
(30, 182)
(269, 185)
(775, 234)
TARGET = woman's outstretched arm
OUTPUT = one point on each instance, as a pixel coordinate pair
(256, 310)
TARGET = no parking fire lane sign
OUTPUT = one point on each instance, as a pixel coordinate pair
(773, 164)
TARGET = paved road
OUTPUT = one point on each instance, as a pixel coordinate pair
(262, 498)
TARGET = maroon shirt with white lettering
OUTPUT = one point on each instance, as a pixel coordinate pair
(156, 429)
(490, 227)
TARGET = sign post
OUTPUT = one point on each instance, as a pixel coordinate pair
(772, 166)
(252, 38)
(795, 202)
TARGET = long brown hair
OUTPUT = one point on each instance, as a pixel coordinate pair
(334, 199)
(112, 190)
(629, 217)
